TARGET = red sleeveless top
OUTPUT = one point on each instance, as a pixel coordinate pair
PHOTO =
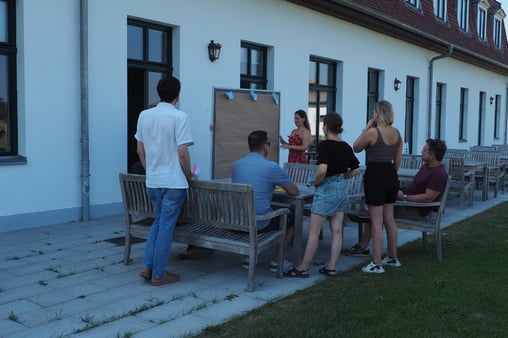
(297, 156)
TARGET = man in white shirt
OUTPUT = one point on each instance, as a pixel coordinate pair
(163, 135)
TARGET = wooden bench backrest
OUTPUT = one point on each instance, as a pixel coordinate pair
(406, 161)
(135, 200)
(484, 148)
(300, 173)
(224, 205)
(491, 158)
(455, 167)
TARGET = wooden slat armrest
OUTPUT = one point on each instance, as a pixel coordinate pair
(417, 204)
(272, 214)
(280, 205)
(469, 173)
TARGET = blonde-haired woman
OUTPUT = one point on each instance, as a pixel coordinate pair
(383, 146)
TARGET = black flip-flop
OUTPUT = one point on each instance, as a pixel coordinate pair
(328, 272)
(297, 273)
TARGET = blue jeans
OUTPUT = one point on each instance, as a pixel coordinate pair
(167, 204)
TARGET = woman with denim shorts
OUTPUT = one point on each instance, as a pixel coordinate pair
(336, 163)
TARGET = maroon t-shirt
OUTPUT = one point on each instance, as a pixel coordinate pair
(433, 178)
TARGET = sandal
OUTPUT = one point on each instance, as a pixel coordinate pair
(328, 272)
(294, 272)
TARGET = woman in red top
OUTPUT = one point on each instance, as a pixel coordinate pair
(299, 139)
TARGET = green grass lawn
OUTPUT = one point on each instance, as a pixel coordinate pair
(465, 295)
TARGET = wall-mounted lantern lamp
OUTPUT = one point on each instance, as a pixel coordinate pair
(491, 99)
(396, 84)
(214, 50)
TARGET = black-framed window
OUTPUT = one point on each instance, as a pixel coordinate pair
(8, 105)
(440, 9)
(481, 117)
(410, 113)
(463, 14)
(322, 96)
(497, 117)
(253, 71)
(463, 108)
(439, 109)
(372, 92)
(149, 58)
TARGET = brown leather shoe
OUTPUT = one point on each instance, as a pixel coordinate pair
(168, 278)
(146, 273)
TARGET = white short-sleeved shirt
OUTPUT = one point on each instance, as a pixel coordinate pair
(162, 129)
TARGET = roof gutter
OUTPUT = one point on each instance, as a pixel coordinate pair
(431, 85)
(85, 156)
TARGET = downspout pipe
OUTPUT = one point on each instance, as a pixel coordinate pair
(85, 158)
(431, 84)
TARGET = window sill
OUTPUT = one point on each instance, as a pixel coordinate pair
(12, 160)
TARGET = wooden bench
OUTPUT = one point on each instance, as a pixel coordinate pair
(425, 225)
(215, 215)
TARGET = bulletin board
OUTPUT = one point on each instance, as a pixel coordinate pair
(237, 112)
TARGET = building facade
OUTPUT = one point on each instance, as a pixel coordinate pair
(74, 75)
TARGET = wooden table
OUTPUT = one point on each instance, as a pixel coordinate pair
(297, 202)
(478, 165)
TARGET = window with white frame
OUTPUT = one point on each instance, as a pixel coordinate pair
(497, 33)
(463, 14)
(481, 21)
(440, 9)
(498, 28)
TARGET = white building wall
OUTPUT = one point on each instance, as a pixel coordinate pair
(48, 188)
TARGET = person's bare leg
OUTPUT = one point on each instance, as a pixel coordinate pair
(316, 223)
(391, 230)
(336, 230)
(376, 219)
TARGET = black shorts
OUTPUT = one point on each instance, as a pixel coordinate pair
(380, 183)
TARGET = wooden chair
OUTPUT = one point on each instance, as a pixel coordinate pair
(300, 173)
(496, 172)
(406, 161)
(462, 181)
(416, 161)
(484, 148)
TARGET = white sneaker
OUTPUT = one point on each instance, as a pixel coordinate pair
(287, 265)
(373, 268)
(391, 261)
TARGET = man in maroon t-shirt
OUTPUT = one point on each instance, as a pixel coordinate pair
(427, 186)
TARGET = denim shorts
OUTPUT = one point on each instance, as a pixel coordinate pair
(330, 196)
